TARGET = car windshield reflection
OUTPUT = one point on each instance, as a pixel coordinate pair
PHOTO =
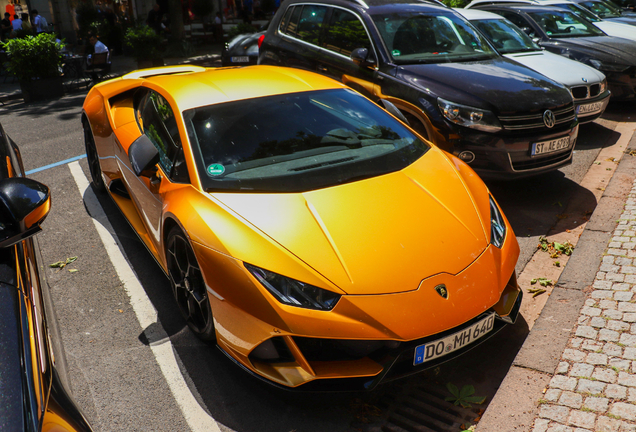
(435, 38)
(297, 142)
(564, 24)
(505, 36)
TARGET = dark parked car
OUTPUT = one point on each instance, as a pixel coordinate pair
(608, 11)
(563, 32)
(32, 394)
(503, 118)
(242, 50)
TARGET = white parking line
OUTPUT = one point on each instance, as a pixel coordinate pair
(198, 419)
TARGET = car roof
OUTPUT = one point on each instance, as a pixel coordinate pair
(477, 14)
(475, 3)
(210, 86)
(366, 4)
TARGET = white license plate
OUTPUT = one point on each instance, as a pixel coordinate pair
(590, 108)
(432, 350)
(240, 59)
(544, 147)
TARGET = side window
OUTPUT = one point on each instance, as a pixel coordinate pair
(310, 24)
(158, 122)
(292, 26)
(345, 33)
(285, 20)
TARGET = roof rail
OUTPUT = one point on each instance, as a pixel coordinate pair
(164, 70)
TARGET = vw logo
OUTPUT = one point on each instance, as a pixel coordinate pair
(442, 291)
(549, 119)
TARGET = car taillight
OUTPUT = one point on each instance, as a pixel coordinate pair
(260, 40)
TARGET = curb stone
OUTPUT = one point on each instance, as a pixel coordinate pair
(547, 364)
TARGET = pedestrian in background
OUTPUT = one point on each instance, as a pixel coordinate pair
(5, 26)
(26, 24)
(39, 22)
(16, 23)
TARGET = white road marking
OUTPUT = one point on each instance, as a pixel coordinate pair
(198, 419)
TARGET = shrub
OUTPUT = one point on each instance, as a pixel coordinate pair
(144, 42)
(34, 57)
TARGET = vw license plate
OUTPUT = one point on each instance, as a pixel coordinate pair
(432, 350)
(240, 59)
(590, 108)
(544, 147)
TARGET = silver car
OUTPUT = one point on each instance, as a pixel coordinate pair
(587, 85)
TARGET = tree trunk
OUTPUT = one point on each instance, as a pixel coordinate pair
(176, 20)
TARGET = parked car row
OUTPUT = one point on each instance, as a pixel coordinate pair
(417, 56)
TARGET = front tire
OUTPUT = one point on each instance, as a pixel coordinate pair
(93, 160)
(188, 286)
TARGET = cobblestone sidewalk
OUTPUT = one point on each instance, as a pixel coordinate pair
(594, 387)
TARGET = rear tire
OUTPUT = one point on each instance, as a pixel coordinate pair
(93, 160)
(188, 286)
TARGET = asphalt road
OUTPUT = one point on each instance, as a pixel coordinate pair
(116, 377)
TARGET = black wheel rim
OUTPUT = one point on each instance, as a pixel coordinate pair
(188, 286)
(91, 155)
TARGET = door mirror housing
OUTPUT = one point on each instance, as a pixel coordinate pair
(362, 57)
(143, 156)
(24, 204)
(392, 109)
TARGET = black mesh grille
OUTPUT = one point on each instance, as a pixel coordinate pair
(579, 92)
(595, 90)
(540, 162)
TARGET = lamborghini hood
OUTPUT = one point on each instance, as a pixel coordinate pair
(376, 236)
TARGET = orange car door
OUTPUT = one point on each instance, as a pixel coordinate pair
(157, 121)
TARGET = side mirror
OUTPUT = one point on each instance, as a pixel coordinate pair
(143, 156)
(394, 110)
(24, 204)
(362, 57)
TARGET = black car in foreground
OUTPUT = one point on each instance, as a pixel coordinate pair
(33, 396)
(566, 33)
(453, 87)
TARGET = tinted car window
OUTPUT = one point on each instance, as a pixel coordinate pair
(310, 24)
(434, 38)
(292, 26)
(345, 33)
(285, 20)
(516, 20)
(157, 121)
(564, 24)
(602, 9)
(329, 137)
(505, 36)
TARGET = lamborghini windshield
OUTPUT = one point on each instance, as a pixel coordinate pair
(505, 36)
(297, 142)
(431, 38)
(564, 24)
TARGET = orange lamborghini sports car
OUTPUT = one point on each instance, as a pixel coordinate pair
(320, 241)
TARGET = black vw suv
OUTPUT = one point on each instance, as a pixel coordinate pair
(452, 86)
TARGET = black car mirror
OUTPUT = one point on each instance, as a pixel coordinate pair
(394, 110)
(24, 204)
(143, 156)
(362, 57)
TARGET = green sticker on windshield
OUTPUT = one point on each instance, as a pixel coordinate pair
(396, 53)
(215, 170)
